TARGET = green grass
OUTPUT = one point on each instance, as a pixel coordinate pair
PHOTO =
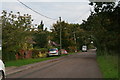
(108, 66)
(29, 61)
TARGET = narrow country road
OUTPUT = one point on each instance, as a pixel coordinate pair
(79, 65)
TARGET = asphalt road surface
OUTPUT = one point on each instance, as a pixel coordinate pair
(79, 65)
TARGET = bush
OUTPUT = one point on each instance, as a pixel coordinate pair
(39, 53)
(8, 56)
(35, 53)
(43, 50)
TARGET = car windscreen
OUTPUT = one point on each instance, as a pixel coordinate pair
(84, 46)
(52, 49)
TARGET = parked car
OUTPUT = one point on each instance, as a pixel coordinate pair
(53, 52)
(2, 70)
(63, 51)
(84, 48)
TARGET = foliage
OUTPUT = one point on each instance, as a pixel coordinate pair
(42, 52)
(40, 37)
(18, 34)
(15, 29)
(108, 66)
(103, 26)
(41, 26)
(72, 36)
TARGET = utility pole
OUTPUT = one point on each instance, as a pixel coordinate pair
(75, 38)
(60, 35)
(75, 41)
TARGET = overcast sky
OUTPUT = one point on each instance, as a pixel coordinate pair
(72, 11)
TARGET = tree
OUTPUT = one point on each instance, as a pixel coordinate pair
(15, 30)
(72, 35)
(40, 37)
(41, 26)
(103, 25)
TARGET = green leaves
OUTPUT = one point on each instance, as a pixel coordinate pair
(15, 30)
(72, 36)
(103, 25)
(41, 39)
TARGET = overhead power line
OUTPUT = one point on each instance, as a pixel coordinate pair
(35, 10)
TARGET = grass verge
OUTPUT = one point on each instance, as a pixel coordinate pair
(108, 66)
(29, 61)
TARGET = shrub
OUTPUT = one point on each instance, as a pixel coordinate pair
(39, 53)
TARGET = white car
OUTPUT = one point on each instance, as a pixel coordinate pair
(84, 48)
(53, 52)
(2, 70)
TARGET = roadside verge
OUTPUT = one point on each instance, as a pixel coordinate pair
(15, 69)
